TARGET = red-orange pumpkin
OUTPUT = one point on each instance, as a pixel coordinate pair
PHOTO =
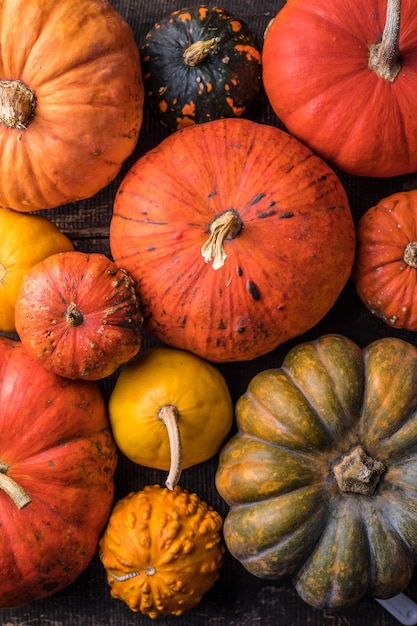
(57, 460)
(237, 235)
(79, 315)
(342, 85)
(71, 100)
(385, 270)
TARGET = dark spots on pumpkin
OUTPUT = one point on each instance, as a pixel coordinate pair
(280, 307)
(241, 330)
(257, 198)
(211, 194)
(286, 215)
(222, 325)
(183, 322)
(253, 290)
(150, 249)
(51, 463)
(239, 271)
(265, 214)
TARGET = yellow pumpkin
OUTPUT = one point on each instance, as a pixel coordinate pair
(169, 410)
(25, 240)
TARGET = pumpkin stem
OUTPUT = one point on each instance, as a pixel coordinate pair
(357, 472)
(73, 315)
(169, 415)
(384, 57)
(410, 254)
(197, 51)
(20, 496)
(226, 226)
(17, 104)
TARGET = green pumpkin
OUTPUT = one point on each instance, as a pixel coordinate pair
(321, 477)
(200, 64)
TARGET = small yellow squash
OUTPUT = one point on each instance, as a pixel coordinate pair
(25, 240)
(170, 409)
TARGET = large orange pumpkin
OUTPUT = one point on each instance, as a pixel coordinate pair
(57, 460)
(71, 100)
(342, 77)
(238, 237)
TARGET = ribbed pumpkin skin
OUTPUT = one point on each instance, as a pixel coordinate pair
(223, 83)
(58, 447)
(288, 516)
(385, 269)
(284, 268)
(79, 315)
(321, 88)
(80, 59)
(162, 550)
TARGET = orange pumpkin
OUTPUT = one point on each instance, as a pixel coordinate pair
(238, 238)
(57, 460)
(78, 314)
(385, 270)
(71, 99)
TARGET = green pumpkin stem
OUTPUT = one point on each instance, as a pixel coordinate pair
(384, 57)
(17, 104)
(169, 415)
(20, 496)
(197, 51)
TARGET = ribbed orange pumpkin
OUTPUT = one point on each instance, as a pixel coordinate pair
(237, 235)
(385, 270)
(71, 99)
(57, 460)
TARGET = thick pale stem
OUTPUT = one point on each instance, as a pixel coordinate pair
(17, 104)
(357, 472)
(169, 415)
(410, 254)
(73, 315)
(20, 496)
(226, 226)
(384, 57)
(197, 51)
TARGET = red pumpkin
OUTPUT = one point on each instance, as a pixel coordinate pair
(385, 270)
(71, 100)
(78, 314)
(57, 460)
(237, 236)
(320, 84)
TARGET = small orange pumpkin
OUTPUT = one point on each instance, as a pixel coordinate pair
(385, 269)
(78, 314)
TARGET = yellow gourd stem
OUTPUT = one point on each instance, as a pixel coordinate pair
(169, 415)
(384, 57)
(197, 51)
(17, 104)
(15, 491)
(225, 226)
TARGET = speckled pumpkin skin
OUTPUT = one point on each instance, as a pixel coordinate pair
(288, 514)
(162, 550)
(283, 270)
(223, 83)
(385, 270)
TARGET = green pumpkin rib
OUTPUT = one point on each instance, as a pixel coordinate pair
(328, 372)
(272, 537)
(252, 470)
(390, 397)
(337, 572)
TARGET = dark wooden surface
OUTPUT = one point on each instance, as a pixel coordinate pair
(238, 598)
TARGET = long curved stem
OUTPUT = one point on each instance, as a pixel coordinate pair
(20, 496)
(169, 415)
(384, 57)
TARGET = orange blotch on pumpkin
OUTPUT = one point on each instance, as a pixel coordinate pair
(202, 13)
(163, 106)
(235, 26)
(188, 109)
(252, 53)
(186, 17)
(236, 110)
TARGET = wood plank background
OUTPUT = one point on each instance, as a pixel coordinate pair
(238, 598)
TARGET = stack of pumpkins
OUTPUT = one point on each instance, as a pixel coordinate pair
(228, 239)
